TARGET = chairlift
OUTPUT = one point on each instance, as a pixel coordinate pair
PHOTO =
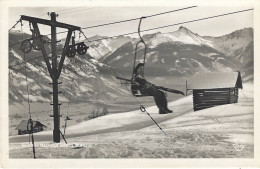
(135, 87)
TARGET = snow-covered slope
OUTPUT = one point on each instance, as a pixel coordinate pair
(87, 76)
(183, 53)
(175, 59)
(225, 131)
(227, 119)
(101, 49)
(182, 35)
(180, 53)
(238, 44)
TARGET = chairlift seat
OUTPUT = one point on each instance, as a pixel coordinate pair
(138, 92)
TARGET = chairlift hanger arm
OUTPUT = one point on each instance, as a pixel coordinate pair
(145, 47)
(139, 27)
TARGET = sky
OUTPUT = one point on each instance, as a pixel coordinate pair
(90, 16)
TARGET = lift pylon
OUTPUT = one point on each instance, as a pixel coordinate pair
(54, 68)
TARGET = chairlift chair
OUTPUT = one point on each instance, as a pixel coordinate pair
(135, 88)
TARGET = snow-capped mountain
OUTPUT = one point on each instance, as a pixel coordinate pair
(106, 46)
(184, 53)
(83, 77)
(173, 59)
(180, 53)
(238, 44)
(182, 35)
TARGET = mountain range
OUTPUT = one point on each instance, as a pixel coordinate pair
(91, 77)
(183, 53)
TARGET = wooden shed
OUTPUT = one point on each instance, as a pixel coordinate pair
(22, 127)
(213, 89)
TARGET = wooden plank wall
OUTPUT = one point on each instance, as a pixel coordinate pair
(206, 98)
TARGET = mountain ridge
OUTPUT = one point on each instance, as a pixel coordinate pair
(181, 53)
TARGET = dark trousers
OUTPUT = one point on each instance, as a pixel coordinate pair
(159, 96)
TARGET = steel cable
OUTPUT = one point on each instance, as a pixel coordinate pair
(30, 121)
(141, 106)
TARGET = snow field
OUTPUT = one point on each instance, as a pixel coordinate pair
(208, 133)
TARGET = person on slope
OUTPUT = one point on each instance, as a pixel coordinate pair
(146, 87)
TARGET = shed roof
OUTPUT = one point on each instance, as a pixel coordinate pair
(215, 81)
(23, 125)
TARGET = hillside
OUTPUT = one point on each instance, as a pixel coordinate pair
(83, 77)
(208, 133)
(184, 53)
(238, 44)
(178, 55)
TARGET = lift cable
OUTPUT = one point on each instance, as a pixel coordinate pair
(14, 25)
(151, 29)
(142, 108)
(215, 16)
(127, 20)
(67, 115)
(20, 21)
(111, 23)
(30, 121)
(195, 20)
(145, 30)
(133, 19)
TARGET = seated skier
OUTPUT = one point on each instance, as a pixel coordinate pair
(146, 87)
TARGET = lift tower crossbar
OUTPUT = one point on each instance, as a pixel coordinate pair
(54, 68)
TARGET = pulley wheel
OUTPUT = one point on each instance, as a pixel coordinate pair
(82, 48)
(36, 44)
(71, 51)
(26, 46)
